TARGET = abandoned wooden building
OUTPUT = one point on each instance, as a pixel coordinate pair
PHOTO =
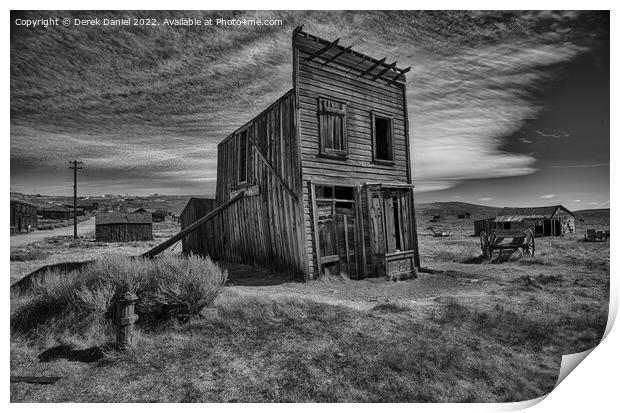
(23, 216)
(123, 227)
(555, 220)
(55, 212)
(325, 171)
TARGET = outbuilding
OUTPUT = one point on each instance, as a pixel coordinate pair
(56, 212)
(123, 227)
(547, 221)
(23, 216)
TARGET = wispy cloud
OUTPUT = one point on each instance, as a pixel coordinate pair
(547, 196)
(153, 105)
(485, 199)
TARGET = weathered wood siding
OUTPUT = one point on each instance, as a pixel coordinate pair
(198, 242)
(22, 216)
(265, 227)
(123, 232)
(338, 80)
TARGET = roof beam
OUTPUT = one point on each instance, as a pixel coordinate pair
(337, 55)
(398, 76)
(385, 69)
(321, 51)
(371, 68)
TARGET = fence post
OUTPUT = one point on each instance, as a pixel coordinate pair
(125, 318)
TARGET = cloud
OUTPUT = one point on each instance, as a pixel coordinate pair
(576, 200)
(548, 196)
(152, 105)
(553, 134)
(485, 199)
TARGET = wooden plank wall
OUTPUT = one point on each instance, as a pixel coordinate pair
(339, 81)
(262, 229)
(123, 232)
(198, 241)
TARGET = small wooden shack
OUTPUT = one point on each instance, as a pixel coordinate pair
(123, 227)
(56, 212)
(325, 169)
(547, 221)
(23, 216)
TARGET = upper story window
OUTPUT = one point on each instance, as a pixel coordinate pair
(382, 138)
(332, 128)
(242, 171)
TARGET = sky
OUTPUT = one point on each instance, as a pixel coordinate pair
(505, 108)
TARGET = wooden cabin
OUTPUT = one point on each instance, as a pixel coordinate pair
(548, 221)
(326, 172)
(123, 226)
(23, 216)
(56, 212)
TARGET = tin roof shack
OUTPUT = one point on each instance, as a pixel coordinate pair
(326, 171)
(548, 221)
(553, 221)
(123, 227)
(56, 212)
(23, 216)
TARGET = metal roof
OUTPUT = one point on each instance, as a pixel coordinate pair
(105, 218)
(518, 214)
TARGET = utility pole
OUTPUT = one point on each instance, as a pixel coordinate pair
(75, 165)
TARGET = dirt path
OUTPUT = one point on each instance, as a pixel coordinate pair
(25, 239)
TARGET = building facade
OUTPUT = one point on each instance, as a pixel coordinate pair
(326, 171)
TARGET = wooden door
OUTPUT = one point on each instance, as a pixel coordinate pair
(337, 239)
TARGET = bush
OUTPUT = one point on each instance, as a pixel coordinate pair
(169, 288)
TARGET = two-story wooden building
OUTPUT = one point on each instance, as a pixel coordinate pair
(326, 171)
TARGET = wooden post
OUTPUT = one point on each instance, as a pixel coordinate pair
(125, 318)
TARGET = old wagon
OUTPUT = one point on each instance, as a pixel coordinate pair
(521, 238)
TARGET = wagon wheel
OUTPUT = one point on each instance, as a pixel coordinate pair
(528, 243)
(485, 246)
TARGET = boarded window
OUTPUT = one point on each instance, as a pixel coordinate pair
(332, 127)
(243, 157)
(383, 145)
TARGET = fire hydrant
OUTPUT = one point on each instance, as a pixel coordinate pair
(125, 318)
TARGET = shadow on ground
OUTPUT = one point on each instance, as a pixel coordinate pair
(63, 351)
(251, 276)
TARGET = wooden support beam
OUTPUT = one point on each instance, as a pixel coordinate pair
(373, 67)
(401, 74)
(337, 55)
(173, 240)
(273, 171)
(385, 69)
(321, 51)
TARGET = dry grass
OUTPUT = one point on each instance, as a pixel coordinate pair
(472, 330)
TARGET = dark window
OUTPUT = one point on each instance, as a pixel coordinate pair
(332, 127)
(506, 225)
(383, 147)
(243, 157)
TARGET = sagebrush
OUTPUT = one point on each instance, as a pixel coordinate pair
(80, 302)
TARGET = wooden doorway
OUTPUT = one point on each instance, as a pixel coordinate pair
(336, 224)
(392, 230)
